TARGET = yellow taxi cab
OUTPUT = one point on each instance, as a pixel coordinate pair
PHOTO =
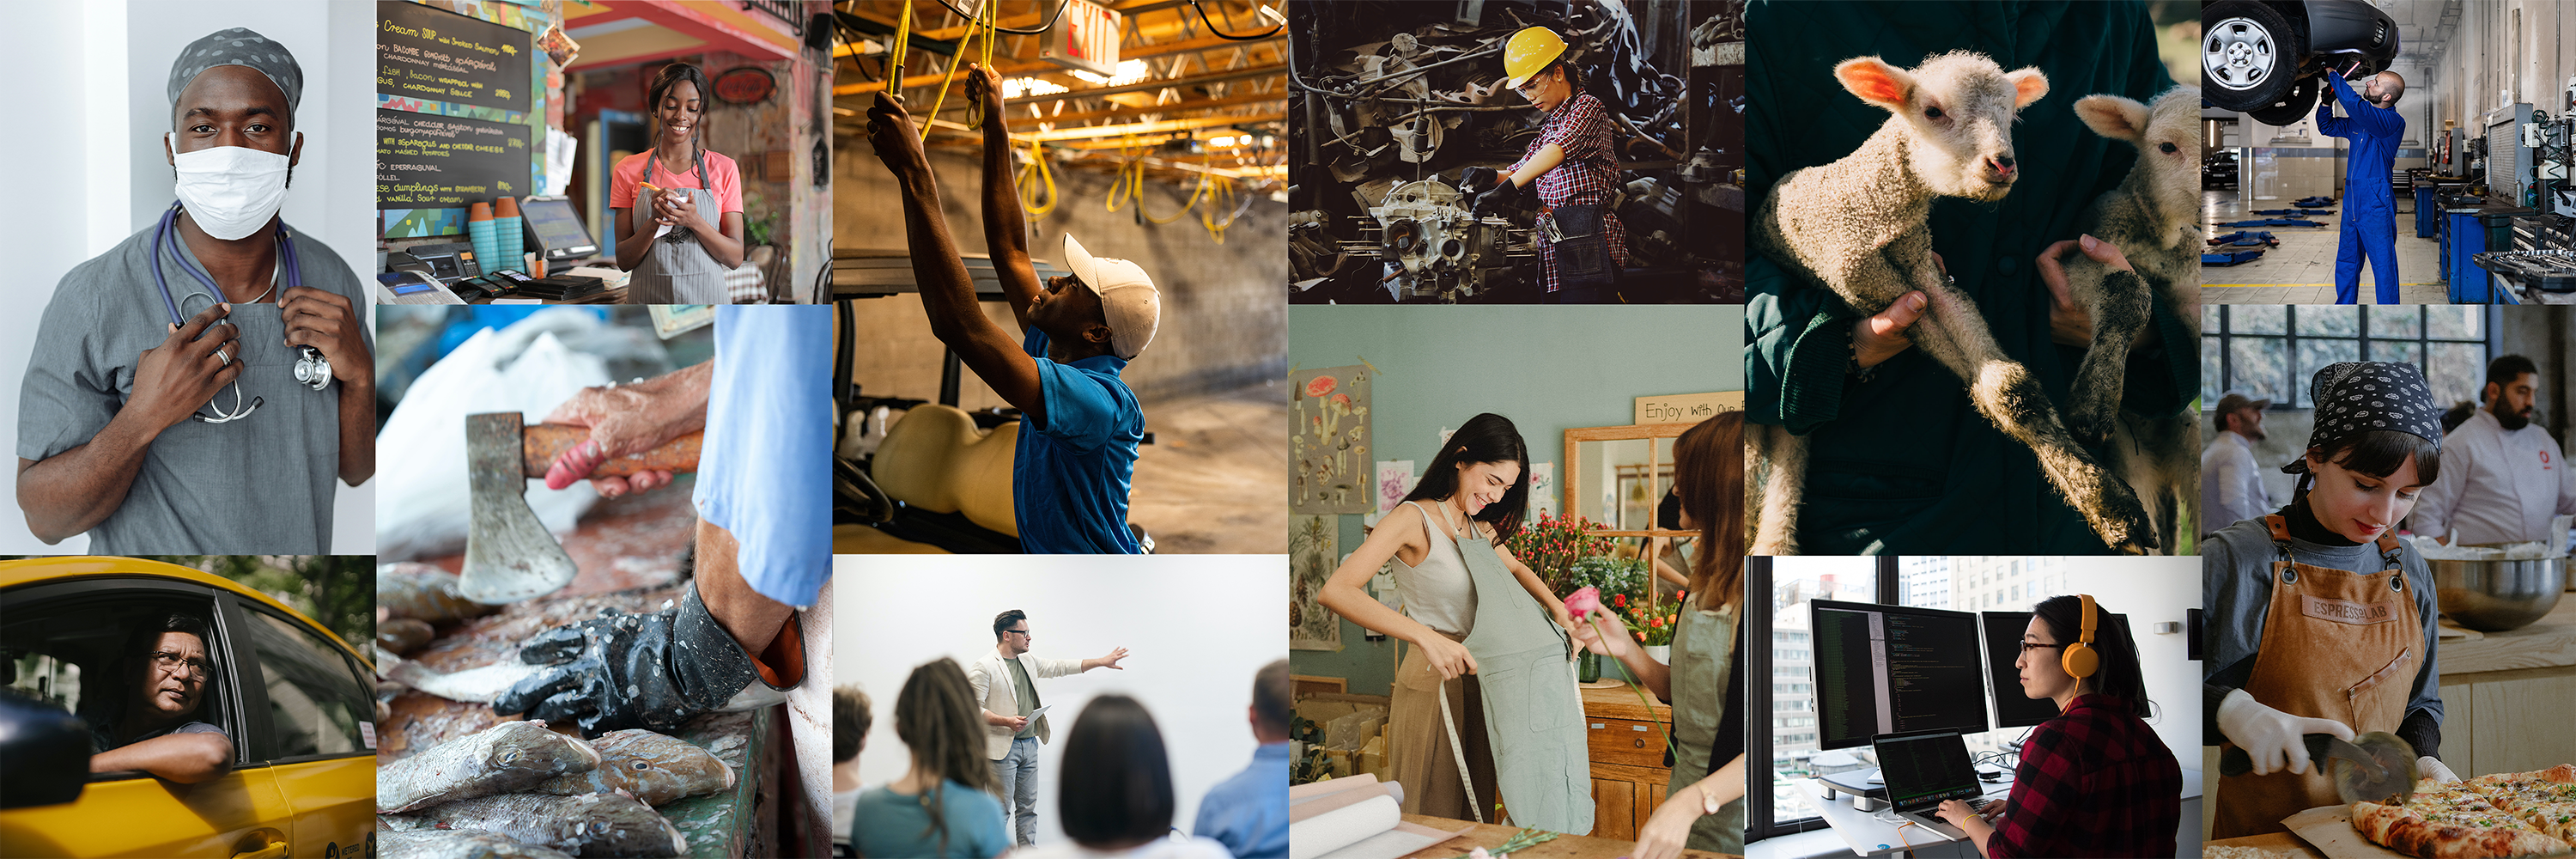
(292, 697)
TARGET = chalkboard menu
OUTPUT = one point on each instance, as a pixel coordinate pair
(425, 161)
(428, 53)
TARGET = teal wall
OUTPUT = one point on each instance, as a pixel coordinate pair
(1549, 369)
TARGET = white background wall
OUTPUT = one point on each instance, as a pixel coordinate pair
(1195, 628)
(98, 174)
(2150, 591)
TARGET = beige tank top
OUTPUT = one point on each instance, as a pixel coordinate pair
(1438, 593)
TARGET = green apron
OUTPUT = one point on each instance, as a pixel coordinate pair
(1533, 710)
(1699, 677)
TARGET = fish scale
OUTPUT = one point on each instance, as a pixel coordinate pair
(505, 757)
(592, 824)
(653, 767)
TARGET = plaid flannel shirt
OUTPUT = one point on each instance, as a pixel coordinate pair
(1589, 174)
(2095, 781)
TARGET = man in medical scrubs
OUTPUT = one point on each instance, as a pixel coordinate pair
(122, 430)
(2371, 122)
(2503, 477)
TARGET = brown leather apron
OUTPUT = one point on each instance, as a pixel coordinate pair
(2337, 644)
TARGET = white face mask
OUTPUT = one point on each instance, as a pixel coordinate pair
(230, 191)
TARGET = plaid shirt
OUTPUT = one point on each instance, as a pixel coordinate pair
(1589, 174)
(2095, 781)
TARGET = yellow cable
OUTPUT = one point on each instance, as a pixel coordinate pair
(1029, 178)
(902, 43)
(954, 61)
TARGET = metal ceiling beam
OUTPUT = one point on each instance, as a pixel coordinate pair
(1018, 67)
(1213, 77)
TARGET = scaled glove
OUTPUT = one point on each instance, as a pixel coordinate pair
(2274, 739)
(619, 671)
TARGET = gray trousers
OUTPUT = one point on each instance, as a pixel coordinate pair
(1018, 772)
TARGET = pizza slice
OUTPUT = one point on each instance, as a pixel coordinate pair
(2544, 799)
(2401, 829)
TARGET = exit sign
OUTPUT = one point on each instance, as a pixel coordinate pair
(1084, 38)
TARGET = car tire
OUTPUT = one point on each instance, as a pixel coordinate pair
(2248, 55)
(2300, 104)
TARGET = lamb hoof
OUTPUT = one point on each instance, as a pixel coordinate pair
(2126, 531)
(2091, 431)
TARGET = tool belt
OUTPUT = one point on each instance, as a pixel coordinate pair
(1577, 236)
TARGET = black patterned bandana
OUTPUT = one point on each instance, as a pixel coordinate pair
(2360, 396)
(239, 47)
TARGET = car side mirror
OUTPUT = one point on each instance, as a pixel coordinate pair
(44, 750)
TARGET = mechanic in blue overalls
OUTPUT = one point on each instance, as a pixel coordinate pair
(2371, 122)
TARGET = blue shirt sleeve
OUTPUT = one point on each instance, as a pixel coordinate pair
(769, 421)
(1081, 410)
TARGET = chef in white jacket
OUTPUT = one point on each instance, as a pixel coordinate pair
(2503, 477)
(1004, 687)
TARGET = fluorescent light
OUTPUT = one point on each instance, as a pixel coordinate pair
(1026, 87)
(1129, 71)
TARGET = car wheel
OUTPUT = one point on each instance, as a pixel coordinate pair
(2247, 55)
(2300, 104)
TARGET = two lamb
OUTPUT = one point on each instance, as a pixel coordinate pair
(1858, 226)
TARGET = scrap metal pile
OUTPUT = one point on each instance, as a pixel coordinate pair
(1395, 98)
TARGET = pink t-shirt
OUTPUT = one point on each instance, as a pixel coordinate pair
(721, 172)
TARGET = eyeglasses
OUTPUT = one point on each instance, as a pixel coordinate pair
(2027, 647)
(170, 662)
(1530, 89)
(1018, 632)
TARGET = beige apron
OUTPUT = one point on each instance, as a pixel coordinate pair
(1699, 677)
(2338, 645)
(676, 269)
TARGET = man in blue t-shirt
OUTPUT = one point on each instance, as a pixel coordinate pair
(2372, 123)
(1079, 423)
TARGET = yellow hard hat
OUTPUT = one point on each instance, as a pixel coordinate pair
(1529, 52)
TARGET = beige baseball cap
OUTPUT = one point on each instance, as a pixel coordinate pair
(1128, 299)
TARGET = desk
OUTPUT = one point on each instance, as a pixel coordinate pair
(1865, 833)
(1490, 836)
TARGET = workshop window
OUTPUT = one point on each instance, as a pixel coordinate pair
(2271, 351)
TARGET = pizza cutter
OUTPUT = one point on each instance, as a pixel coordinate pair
(2375, 767)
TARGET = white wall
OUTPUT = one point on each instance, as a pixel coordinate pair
(1196, 628)
(2150, 591)
(103, 176)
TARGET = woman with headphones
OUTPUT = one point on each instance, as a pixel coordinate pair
(677, 207)
(2095, 780)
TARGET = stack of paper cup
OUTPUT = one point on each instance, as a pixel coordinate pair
(506, 229)
(479, 230)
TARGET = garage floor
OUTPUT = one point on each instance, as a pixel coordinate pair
(1215, 480)
(2301, 270)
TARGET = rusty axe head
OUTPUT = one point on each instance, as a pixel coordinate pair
(509, 555)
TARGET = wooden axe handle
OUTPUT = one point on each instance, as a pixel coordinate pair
(542, 443)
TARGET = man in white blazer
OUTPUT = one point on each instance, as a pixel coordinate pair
(1003, 686)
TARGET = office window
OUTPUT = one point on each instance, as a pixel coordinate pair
(1796, 580)
(2271, 351)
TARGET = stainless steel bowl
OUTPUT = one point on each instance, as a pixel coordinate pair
(2494, 596)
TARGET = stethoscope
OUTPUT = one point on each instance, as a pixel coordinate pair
(311, 370)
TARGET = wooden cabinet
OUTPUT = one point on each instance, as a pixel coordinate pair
(1626, 741)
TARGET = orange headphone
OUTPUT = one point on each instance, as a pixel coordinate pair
(2080, 660)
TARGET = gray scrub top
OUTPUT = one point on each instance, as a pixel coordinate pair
(260, 485)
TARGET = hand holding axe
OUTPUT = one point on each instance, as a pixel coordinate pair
(509, 556)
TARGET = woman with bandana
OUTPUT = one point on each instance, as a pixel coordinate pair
(2320, 619)
(204, 314)
(677, 206)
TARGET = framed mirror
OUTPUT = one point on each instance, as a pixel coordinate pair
(1617, 476)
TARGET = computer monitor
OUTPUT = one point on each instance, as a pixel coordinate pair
(1884, 669)
(2003, 644)
(557, 231)
(1921, 770)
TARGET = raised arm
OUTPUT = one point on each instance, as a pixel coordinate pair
(1006, 228)
(2330, 124)
(947, 293)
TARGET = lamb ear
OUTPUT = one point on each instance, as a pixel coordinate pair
(2113, 117)
(1875, 81)
(2028, 86)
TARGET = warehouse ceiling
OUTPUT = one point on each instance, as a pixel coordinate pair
(1186, 99)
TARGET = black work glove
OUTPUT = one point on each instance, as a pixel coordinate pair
(1503, 198)
(1474, 180)
(619, 671)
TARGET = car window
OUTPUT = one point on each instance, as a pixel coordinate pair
(315, 700)
(67, 652)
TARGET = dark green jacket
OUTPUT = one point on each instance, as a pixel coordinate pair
(1903, 464)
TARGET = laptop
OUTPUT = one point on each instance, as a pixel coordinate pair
(1923, 769)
